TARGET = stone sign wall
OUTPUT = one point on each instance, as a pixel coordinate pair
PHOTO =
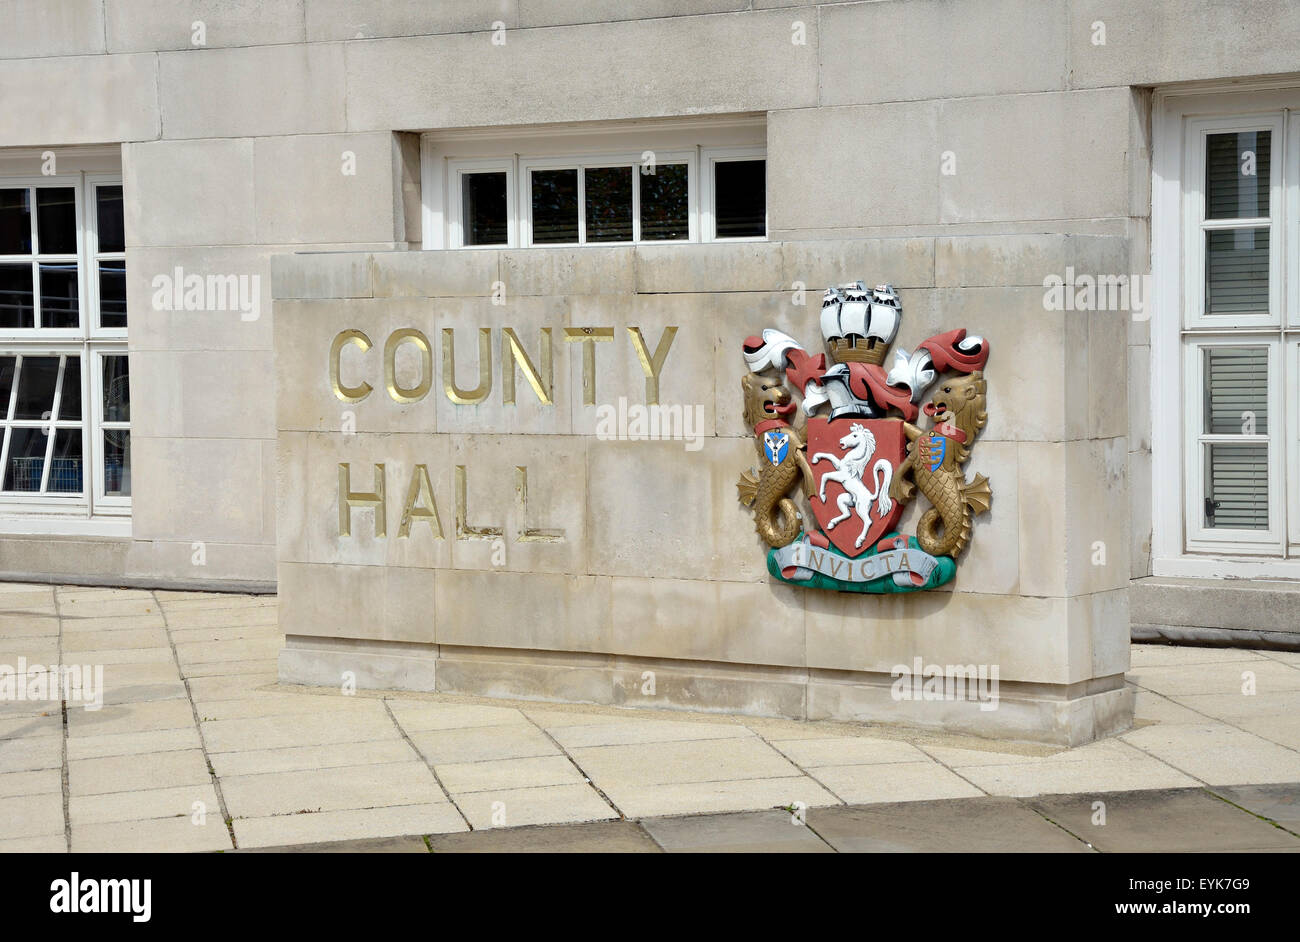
(513, 473)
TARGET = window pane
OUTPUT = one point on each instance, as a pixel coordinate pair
(59, 295)
(740, 198)
(608, 195)
(26, 459)
(16, 307)
(56, 220)
(66, 463)
(15, 222)
(70, 398)
(117, 389)
(117, 463)
(665, 206)
(483, 198)
(555, 206)
(112, 294)
(7, 365)
(1236, 484)
(1236, 390)
(37, 377)
(1236, 271)
(1237, 174)
(108, 218)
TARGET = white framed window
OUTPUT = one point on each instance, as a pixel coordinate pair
(1225, 334)
(672, 182)
(65, 447)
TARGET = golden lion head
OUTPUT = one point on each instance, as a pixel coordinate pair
(765, 398)
(960, 400)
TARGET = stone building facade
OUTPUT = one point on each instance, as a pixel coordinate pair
(321, 166)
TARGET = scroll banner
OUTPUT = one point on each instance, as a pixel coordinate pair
(904, 569)
(806, 559)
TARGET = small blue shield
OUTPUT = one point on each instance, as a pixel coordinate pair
(777, 445)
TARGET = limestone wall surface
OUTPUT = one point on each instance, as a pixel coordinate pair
(231, 151)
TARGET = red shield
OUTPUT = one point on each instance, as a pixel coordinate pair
(853, 461)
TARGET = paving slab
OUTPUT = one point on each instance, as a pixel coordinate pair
(1162, 822)
(392, 821)
(366, 722)
(847, 750)
(127, 744)
(766, 832)
(31, 815)
(299, 758)
(111, 624)
(227, 687)
(444, 746)
(547, 804)
(970, 825)
(376, 845)
(140, 693)
(895, 781)
(1167, 655)
(228, 633)
(418, 716)
(257, 704)
(46, 844)
(229, 668)
(27, 755)
(1222, 677)
(36, 782)
(1283, 730)
(1279, 803)
(644, 731)
(25, 625)
(611, 837)
(1218, 754)
(110, 657)
(134, 772)
(152, 835)
(662, 763)
(46, 723)
(137, 717)
(679, 798)
(338, 789)
(78, 641)
(1234, 707)
(497, 774)
(180, 801)
(1152, 707)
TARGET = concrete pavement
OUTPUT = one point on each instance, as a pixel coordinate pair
(198, 748)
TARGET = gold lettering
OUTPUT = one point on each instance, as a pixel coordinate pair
(454, 392)
(652, 365)
(588, 337)
(349, 499)
(420, 504)
(513, 354)
(464, 531)
(347, 393)
(395, 340)
(525, 535)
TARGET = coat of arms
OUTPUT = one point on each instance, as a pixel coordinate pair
(849, 449)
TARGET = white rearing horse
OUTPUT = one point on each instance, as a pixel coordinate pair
(861, 445)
